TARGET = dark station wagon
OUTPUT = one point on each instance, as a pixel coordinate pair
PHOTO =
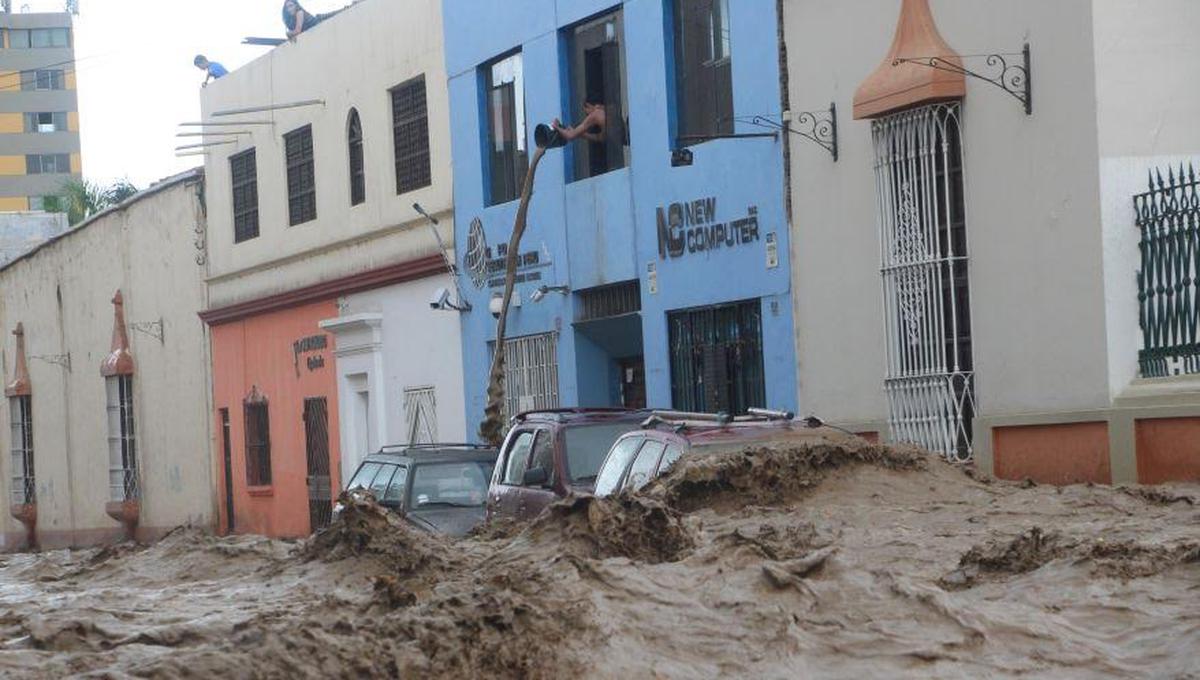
(439, 488)
(666, 436)
(550, 454)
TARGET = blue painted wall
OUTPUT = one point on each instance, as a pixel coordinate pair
(604, 229)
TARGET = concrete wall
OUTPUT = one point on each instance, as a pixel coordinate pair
(21, 232)
(1032, 199)
(349, 61)
(62, 294)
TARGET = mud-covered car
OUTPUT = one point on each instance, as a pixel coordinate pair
(439, 488)
(550, 454)
(639, 456)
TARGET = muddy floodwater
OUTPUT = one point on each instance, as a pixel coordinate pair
(828, 561)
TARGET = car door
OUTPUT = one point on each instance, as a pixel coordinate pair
(536, 495)
(504, 495)
(644, 465)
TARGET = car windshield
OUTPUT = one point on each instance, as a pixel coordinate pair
(362, 478)
(462, 485)
(587, 445)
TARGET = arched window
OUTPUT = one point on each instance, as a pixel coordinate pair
(358, 181)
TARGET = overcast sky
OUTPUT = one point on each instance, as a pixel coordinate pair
(136, 78)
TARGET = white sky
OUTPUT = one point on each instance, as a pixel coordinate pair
(136, 79)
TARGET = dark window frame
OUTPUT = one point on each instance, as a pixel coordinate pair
(126, 488)
(300, 161)
(24, 486)
(35, 164)
(703, 64)
(505, 168)
(257, 418)
(410, 135)
(592, 52)
(716, 357)
(243, 177)
(354, 148)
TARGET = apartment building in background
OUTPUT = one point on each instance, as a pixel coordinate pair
(39, 109)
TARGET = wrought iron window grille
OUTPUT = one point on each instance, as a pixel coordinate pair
(818, 127)
(1168, 216)
(1015, 79)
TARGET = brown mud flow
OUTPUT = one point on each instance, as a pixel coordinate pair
(819, 561)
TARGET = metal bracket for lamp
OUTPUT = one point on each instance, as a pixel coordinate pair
(152, 328)
(1015, 79)
(63, 360)
(818, 127)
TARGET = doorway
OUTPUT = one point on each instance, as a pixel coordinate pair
(316, 433)
(227, 450)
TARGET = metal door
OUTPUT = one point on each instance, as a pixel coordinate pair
(316, 431)
(227, 443)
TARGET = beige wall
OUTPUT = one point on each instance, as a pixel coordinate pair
(350, 61)
(62, 293)
(1032, 191)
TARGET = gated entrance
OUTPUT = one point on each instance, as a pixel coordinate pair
(316, 431)
(716, 358)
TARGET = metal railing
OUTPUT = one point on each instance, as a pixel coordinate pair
(1168, 216)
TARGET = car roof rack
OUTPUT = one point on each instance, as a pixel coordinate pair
(682, 419)
(392, 448)
(574, 410)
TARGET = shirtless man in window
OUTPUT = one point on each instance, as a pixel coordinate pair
(592, 127)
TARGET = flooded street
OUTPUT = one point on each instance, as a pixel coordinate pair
(816, 562)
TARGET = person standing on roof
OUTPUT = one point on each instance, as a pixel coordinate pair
(211, 68)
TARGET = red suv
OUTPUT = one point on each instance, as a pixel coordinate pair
(549, 454)
(641, 455)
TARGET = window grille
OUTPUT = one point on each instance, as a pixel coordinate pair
(420, 415)
(716, 358)
(358, 177)
(301, 178)
(1168, 216)
(122, 440)
(258, 440)
(243, 168)
(607, 301)
(21, 420)
(922, 219)
(410, 135)
(531, 373)
(508, 157)
(703, 68)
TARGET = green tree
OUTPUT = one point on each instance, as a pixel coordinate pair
(81, 198)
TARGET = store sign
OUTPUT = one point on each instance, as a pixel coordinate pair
(312, 345)
(692, 227)
(486, 266)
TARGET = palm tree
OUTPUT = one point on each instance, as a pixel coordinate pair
(81, 198)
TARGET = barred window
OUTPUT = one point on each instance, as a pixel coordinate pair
(301, 176)
(530, 373)
(122, 442)
(21, 420)
(243, 169)
(358, 177)
(258, 440)
(410, 132)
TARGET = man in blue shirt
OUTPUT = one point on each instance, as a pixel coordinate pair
(211, 68)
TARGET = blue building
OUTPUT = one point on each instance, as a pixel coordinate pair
(654, 269)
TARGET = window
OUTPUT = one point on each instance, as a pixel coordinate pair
(47, 164)
(717, 359)
(46, 122)
(673, 453)
(258, 440)
(46, 203)
(358, 176)
(395, 491)
(420, 415)
(703, 69)
(597, 64)
(39, 37)
(543, 454)
(301, 177)
(24, 490)
(380, 484)
(518, 459)
(642, 470)
(922, 221)
(531, 373)
(122, 442)
(410, 135)
(614, 466)
(362, 478)
(508, 158)
(243, 169)
(587, 446)
(450, 484)
(43, 79)
(18, 38)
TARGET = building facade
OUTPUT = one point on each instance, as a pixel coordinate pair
(984, 270)
(106, 377)
(39, 109)
(654, 268)
(322, 270)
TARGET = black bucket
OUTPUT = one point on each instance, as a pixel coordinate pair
(547, 137)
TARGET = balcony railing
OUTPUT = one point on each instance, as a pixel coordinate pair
(1168, 216)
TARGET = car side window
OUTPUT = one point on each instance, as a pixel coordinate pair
(543, 453)
(380, 485)
(673, 453)
(642, 470)
(362, 478)
(517, 458)
(613, 468)
(395, 490)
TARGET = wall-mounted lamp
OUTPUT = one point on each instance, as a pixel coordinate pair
(540, 293)
(496, 304)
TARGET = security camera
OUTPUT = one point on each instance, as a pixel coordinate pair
(440, 299)
(539, 294)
